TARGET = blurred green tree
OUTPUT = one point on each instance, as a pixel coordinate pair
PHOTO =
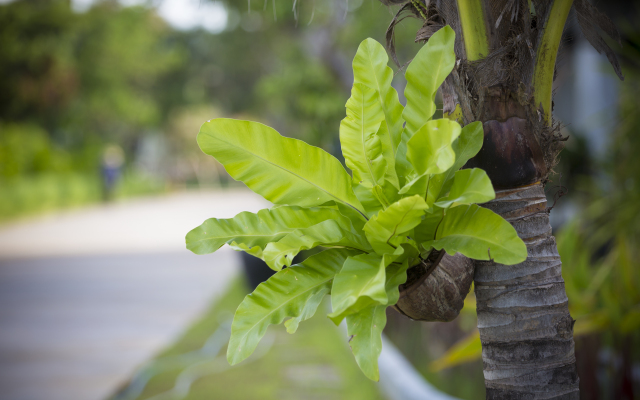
(79, 75)
(77, 81)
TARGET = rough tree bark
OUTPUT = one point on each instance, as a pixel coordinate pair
(523, 315)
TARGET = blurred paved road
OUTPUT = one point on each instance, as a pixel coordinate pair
(87, 296)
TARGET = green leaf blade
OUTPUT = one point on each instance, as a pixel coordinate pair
(480, 234)
(429, 150)
(426, 73)
(308, 311)
(367, 149)
(359, 284)
(370, 67)
(396, 276)
(388, 153)
(426, 230)
(247, 230)
(469, 186)
(282, 170)
(284, 295)
(326, 233)
(396, 220)
(467, 145)
(361, 145)
(465, 350)
(365, 327)
(377, 198)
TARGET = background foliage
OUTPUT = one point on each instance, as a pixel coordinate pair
(75, 82)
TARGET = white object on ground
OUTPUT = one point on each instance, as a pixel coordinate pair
(400, 380)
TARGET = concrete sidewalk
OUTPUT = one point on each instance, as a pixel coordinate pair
(135, 226)
(87, 296)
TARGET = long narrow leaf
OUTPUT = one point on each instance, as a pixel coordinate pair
(466, 146)
(365, 327)
(308, 311)
(250, 230)
(370, 68)
(284, 295)
(376, 198)
(382, 229)
(359, 284)
(282, 170)
(465, 350)
(425, 74)
(426, 230)
(480, 234)
(327, 233)
(367, 153)
(429, 152)
(469, 186)
(365, 330)
(357, 220)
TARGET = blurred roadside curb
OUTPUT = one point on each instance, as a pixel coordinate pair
(399, 380)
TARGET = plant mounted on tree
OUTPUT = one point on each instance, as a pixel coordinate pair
(406, 203)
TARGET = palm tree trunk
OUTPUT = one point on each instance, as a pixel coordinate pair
(523, 318)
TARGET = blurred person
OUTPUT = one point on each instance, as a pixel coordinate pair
(112, 161)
